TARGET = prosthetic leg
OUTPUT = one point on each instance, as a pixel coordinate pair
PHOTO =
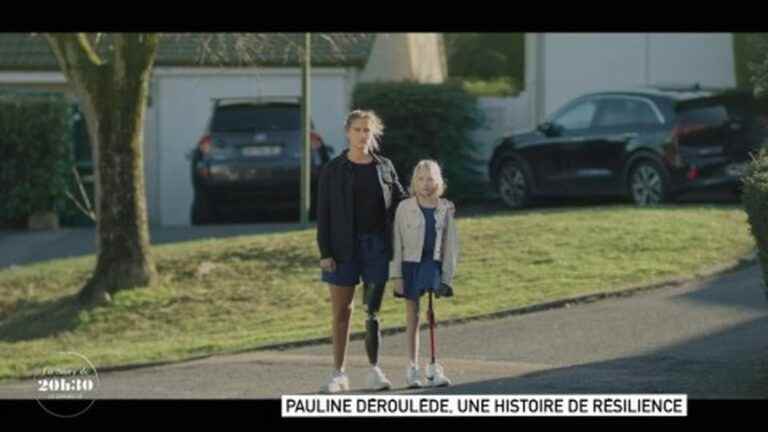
(372, 295)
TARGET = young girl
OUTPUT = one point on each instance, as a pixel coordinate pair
(425, 252)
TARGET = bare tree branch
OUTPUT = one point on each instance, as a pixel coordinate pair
(73, 51)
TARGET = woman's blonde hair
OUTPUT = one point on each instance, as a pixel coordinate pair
(434, 169)
(375, 123)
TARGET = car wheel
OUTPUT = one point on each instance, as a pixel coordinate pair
(514, 186)
(648, 184)
(203, 211)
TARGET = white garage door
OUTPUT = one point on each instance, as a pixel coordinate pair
(184, 103)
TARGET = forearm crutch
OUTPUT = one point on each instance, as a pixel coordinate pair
(431, 318)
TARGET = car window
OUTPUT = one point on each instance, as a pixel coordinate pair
(577, 117)
(714, 115)
(614, 112)
(248, 118)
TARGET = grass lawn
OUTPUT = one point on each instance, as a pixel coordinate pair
(241, 293)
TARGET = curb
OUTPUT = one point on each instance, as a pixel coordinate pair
(715, 271)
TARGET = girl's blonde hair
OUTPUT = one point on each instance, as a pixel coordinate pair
(434, 169)
(375, 123)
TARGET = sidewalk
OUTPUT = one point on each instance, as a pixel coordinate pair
(27, 247)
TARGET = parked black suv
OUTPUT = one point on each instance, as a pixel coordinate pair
(648, 144)
(249, 158)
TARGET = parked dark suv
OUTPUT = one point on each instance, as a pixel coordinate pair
(249, 158)
(648, 144)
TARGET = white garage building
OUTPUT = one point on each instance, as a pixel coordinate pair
(182, 88)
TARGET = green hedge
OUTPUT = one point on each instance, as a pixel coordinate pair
(750, 59)
(425, 121)
(501, 87)
(755, 198)
(35, 154)
(486, 56)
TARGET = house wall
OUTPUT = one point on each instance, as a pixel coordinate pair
(561, 66)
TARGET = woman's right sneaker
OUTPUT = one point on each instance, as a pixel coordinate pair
(413, 377)
(339, 382)
(377, 381)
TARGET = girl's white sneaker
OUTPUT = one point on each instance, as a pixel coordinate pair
(413, 377)
(338, 382)
(436, 377)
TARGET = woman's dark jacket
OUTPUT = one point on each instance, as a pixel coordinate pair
(336, 207)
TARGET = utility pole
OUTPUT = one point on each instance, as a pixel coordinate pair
(306, 157)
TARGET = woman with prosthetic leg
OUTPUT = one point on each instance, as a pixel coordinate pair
(358, 192)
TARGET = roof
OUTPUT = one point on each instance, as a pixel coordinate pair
(27, 51)
(676, 93)
(258, 100)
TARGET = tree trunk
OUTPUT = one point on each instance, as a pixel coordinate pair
(113, 96)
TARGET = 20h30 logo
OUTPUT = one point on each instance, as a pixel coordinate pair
(67, 384)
